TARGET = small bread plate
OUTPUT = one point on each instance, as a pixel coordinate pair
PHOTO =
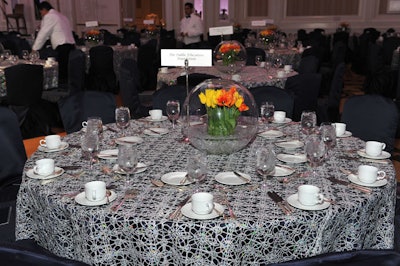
(294, 201)
(140, 167)
(175, 179)
(82, 200)
(292, 158)
(383, 155)
(271, 134)
(230, 178)
(378, 183)
(155, 131)
(290, 144)
(346, 134)
(108, 154)
(216, 212)
(287, 120)
(84, 128)
(63, 146)
(57, 172)
(163, 118)
(129, 140)
(283, 170)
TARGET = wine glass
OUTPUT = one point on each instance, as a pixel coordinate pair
(122, 118)
(258, 59)
(315, 150)
(278, 62)
(267, 112)
(197, 167)
(90, 146)
(34, 56)
(25, 54)
(6, 54)
(127, 159)
(328, 134)
(265, 163)
(308, 121)
(173, 110)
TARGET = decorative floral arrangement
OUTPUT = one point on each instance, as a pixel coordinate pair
(223, 109)
(93, 37)
(267, 36)
(229, 52)
(344, 26)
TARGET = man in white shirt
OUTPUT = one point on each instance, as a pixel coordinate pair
(57, 28)
(191, 28)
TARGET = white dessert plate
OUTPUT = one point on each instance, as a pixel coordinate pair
(229, 178)
(163, 118)
(129, 140)
(283, 170)
(271, 134)
(155, 131)
(84, 128)
(292, 144)
(294, 201)
(82, 200)
(141, 167)
(63, 146)
(346, 134)
(292, 158)
(287, 120)
(383, 155)
(57, 172)
(108, 154)
(378, 183)
(187, 211)
(175, 178)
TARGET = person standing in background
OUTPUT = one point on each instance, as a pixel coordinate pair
(191, 28)
(57, 28)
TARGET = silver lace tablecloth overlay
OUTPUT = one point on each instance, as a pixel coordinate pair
(140, 233)
(250, 76)
(287, 56)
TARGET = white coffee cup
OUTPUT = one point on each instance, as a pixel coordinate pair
(95, 190)
(280, 74)
(262, 64)
(164, 70)
(287, 68)
(236, 77)
(51, 142)
(44, 167)
(309, 195)
(370, 174)
(202, 203)
(374, 148)
(340, 129)
(155, 114)
(279, 116)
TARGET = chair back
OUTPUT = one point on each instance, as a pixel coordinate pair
(148, 65)
(308, 64)
(163, 95)
(76, 71)
(101, 72)
(252, 52)
(282, 99)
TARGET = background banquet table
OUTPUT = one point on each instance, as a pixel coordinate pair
(250, 76)
(140, 233)
(287, 56)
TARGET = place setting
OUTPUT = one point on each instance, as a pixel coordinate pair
(368, 176)
(374, 150)
(280, 118)
(129, 140)
(95, 194)
(45, 169)
(292, 158)
(233, 178)
(202, 206)
(111, 154)
(155, 131)
(155, 115)
(290, 144)
(309, 198)
(341, 132)
(52, 143)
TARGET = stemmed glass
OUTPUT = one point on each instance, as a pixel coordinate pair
(90, 146)
(265, 163)
(278, 62)
(197, 168)
(34, 56)
(328, 134)
(308, 121)
(315, 150)
(25, 54)
(6, 54)
(173, 110)
(122, 118)
(127, 159)
(267, 112)
(258, 60)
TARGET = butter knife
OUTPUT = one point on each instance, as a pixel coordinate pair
(245, 179)
(175, 213)
(279, 201)
(349, 184)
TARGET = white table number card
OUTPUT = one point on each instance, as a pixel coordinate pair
(90, 24)
(148, 21)
(218, 31)
(177, 57)
(128, 19)
(258, 23)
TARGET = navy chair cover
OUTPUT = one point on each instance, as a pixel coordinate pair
(282, 99)
(308, 64)
(372, 117)
(101, 72)
(148, 65)
(77, 108)
(76, 71)
(163, 95)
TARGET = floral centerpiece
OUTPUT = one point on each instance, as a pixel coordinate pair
(229, 52)
(93, 37)
(229, 57)
(344, 26)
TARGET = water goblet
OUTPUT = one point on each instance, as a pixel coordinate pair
(6, 54)
(308, 121)
(34, 56)
(258, 59)
(122, 118)
(127, 159)
(278, 63)
(328, 134)
(197, 168)
(315, 150)
(265, 163)
(25, 54)
(173, 110)
(90, 146)
(267, 112)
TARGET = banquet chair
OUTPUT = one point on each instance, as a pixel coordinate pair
(348, 258)
(305, 88)
(12, 161)
(252, 52)
(282, 99)
(372, 117)
(17, 15)
(308, 64)
(194, 79)
(388, 46)
(166, 93)
(76, 71)
(129, 88)
(148, 65)
(76, 108)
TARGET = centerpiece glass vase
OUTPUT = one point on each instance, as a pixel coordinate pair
(93, 38)
(220, 116)
(229, 57)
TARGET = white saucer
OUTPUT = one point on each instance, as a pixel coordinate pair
(175, 178)
(283, 171)
(384, 155)
(378, 183)
(346, 134)
(271, 134)
(57, 172)
(287, 120)
(293, 200)
(156, 131)
(229, 178)
(63, 146)
(108, 154)
(129, 140)
(187, 211)
(84, 128)
(290, 145)
(141, 168)
(291, 158)
(163, 118)
(81, 199)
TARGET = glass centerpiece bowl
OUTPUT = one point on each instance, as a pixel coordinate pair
(229, 57)
(94, 37)
(220, 116)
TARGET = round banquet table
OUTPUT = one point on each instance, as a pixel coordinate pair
(141, 233)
